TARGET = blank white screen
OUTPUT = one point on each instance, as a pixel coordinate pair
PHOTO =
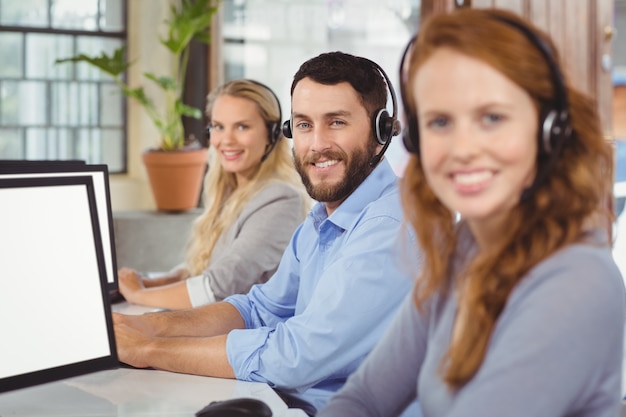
(102, 204)
(47, 246)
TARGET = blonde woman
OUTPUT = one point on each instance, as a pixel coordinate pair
(253, 199)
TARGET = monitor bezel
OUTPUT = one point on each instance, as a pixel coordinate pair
(69, 370)
(75, 168)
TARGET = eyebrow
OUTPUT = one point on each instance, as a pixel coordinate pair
(235, 122)
(329, 115)
(481, 108)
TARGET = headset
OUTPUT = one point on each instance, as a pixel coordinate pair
(273, 128)
(554, 124)
(384, 126)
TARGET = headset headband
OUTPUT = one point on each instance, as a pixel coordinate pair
(554, 126)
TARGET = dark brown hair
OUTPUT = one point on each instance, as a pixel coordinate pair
(332, 68)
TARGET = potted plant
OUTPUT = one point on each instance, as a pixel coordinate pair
(191, 20)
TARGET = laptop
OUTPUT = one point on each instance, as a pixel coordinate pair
(100, 176)
(55, 312)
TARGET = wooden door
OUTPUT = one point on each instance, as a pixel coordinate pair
(582, 31)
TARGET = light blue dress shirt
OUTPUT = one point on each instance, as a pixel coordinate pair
(337, 287)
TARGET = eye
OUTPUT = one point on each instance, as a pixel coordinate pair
(337, 123)
(492, 118)
(438, 122)
(216, 127)
(303, 125)
(242, 127)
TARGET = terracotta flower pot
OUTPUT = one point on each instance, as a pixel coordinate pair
(176, 177)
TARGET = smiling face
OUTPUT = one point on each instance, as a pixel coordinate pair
(477, 138)
(332, 140)
(239, 135)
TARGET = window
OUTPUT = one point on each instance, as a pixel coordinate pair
(60, 111)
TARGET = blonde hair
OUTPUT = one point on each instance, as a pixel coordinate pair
(554, 216)
(223, 200)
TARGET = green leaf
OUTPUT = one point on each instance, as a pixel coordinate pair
(191, 21)
(166, 83)
(138, 94)
(113, 64)
(189, 111)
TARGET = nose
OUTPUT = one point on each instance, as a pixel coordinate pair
(319, 139)
(223, 136)
(464, 142)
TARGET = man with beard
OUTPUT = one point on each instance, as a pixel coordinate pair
(340, 279)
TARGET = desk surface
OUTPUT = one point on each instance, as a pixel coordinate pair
(134, 393)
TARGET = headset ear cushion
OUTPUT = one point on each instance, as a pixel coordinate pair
(410, 136)
(287, 129)
(554, 128)
(274, 131)
(383, 125)
(544, 131)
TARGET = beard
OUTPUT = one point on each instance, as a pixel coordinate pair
(357, 169)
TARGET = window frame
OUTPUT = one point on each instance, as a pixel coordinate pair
(49, 126)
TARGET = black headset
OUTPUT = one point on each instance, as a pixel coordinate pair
(554, 128)
(273, 128)
(384, 126)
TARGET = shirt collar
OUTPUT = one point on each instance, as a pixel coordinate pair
(376, 183)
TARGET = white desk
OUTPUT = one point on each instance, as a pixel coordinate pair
(134, 393)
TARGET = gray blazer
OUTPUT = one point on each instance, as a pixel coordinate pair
(249, 251)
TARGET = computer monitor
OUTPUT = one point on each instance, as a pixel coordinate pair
(51, 162)
(100, 175)
(55, 313)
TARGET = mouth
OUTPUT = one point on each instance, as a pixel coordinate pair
(472, 178)
(471, 182)
(231, 154)
(326, 164)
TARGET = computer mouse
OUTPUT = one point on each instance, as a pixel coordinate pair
(236, 407)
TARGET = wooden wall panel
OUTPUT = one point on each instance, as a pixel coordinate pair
(619, 112)
(516, 6)
(575, 44)
(577, 28)
(483, 4)
(603, 33)
(538, 13)
(557, 15)
(431, 7)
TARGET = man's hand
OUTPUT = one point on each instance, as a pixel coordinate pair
(132, 336)
(139, 344)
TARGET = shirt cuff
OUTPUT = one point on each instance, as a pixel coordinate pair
(199, 290)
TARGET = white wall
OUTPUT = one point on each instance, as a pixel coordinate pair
(131, 191)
